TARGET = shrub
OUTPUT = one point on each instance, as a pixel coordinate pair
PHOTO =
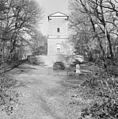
(8, 96)
(58, 66)
(105, 88)
(107, 110)
(32, 60)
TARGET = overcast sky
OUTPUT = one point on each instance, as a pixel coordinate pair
(51, 6)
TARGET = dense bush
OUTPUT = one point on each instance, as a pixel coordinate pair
(8, 96)
(32, 60)
(104, 88)
(58, 66)
(108, 109)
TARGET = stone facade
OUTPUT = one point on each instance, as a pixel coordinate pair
(58, 44)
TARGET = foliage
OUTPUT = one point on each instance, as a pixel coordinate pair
(32, 60)
(39, 45)
(104, 88)
(94, 26)
(42, 50)
(58, 66)
(8, 96)
(17, 21)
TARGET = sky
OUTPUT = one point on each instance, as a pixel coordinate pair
(49, 7)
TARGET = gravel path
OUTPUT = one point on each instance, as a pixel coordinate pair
(45, 94)
(42, 95)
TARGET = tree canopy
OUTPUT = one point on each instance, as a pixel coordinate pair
(97, 20)
(17, 18)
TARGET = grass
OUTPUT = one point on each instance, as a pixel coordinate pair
(8, 95)
(79, 96)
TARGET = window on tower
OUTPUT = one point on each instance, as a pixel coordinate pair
(58, 48)
(58, 30)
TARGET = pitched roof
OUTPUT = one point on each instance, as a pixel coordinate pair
(58, 14)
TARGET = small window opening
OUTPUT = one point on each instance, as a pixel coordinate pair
(58, 30)
(58, 50)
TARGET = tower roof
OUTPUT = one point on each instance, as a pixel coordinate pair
(58, 14)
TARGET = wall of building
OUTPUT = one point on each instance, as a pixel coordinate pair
(58, 45)
(55, 23)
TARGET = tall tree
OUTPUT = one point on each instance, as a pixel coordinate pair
(101, 15)
(17, 18)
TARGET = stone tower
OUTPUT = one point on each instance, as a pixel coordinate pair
(57, 36)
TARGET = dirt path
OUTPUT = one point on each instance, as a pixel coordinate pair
(43, 96)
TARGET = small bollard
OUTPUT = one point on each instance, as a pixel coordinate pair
(78, 69)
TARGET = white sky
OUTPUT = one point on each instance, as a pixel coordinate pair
(51, 6)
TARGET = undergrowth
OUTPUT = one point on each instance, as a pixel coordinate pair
(104, 89)
(8, 96)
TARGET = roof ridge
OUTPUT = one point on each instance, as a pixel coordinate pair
(59, 13)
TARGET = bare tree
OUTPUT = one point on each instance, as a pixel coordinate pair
(17, 18)
(101, 15)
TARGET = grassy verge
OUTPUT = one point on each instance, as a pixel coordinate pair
(8, 95)
(93, 95)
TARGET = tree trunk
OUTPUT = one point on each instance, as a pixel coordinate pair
(101, 47)
(110, 45)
